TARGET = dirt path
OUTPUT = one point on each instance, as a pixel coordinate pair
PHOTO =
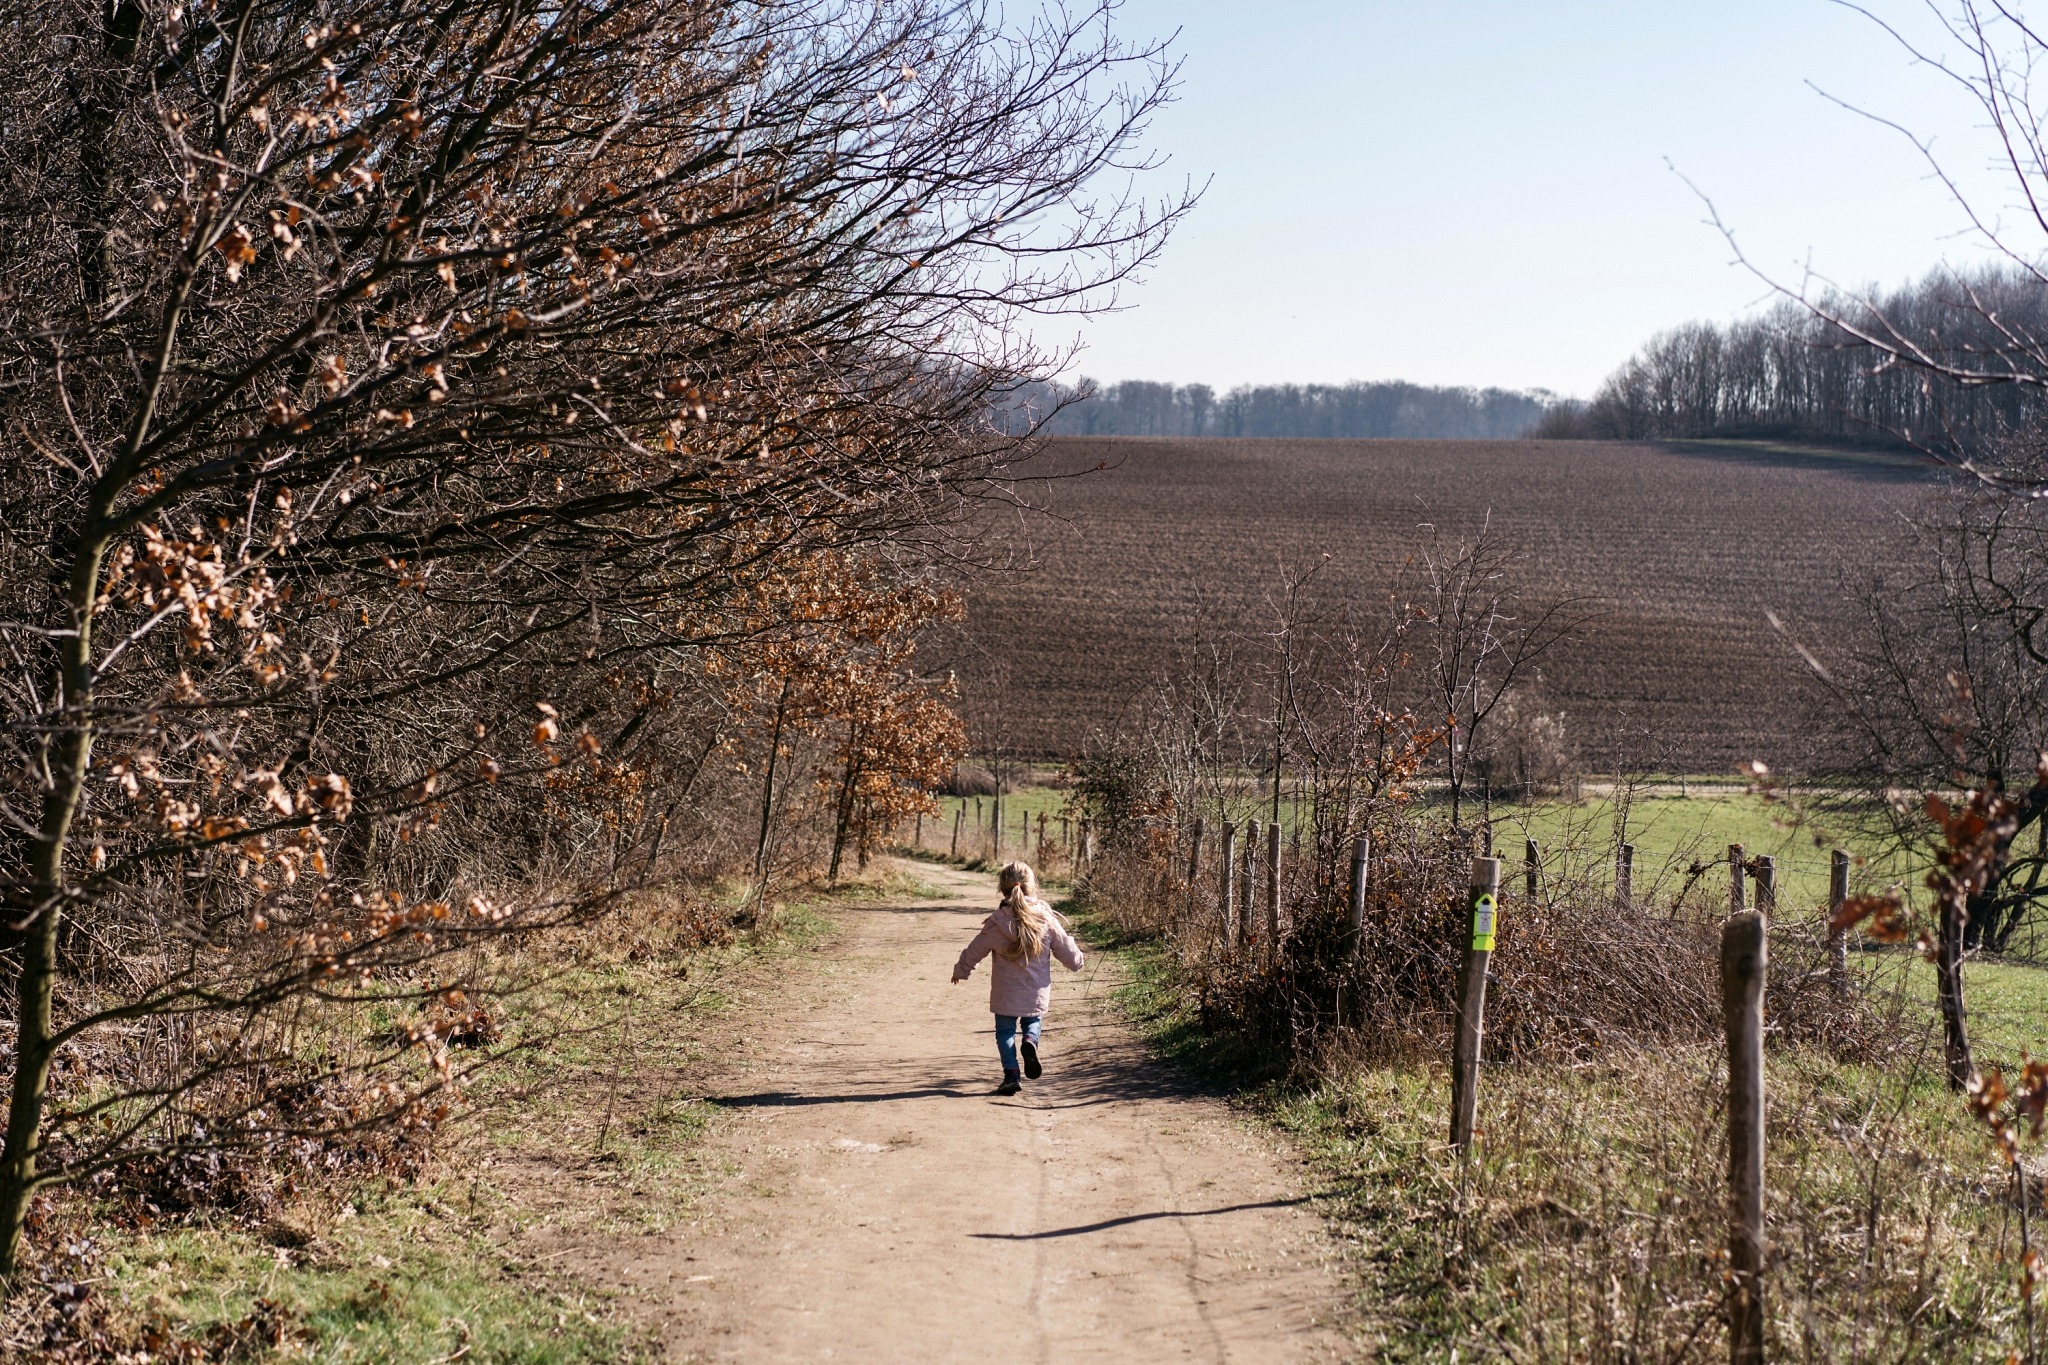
(875, 1202)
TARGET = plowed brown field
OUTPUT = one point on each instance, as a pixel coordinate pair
(1681, 547)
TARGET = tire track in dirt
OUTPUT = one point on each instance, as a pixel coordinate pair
(873, 1201)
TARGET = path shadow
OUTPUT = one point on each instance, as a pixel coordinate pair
(786, 1099)
(1081, 1079)
(1120, 1072)
(1109, 1223)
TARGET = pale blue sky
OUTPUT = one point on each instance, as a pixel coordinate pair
(1475, 191)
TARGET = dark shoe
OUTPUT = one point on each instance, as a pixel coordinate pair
(1011, 1085)
(1031, 1066)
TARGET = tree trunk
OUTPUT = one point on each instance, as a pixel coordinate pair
(1987, 922)
(97, 113)
(42, 917)
(843, 815)
(1981, 922)
(995, 814)
(1279, 745)
(768, 788)
(71, 758)
(1948, 988)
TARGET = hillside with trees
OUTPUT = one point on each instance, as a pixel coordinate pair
(1948, 364)
(1295, 411)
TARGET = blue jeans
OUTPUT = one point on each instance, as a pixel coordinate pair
(1006, 1038)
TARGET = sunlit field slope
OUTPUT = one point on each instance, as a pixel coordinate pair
(1681, 549)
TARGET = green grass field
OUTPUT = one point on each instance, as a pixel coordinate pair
(975, 831)
(2006, 1004)
(1670, 832)
(2008, 1000)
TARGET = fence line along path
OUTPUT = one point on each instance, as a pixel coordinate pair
(870, 1200)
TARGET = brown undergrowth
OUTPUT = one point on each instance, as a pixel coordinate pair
(1576, 975)
(407, 1248)
(1588, 1221)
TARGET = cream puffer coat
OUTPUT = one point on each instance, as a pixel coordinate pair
(1017, 986)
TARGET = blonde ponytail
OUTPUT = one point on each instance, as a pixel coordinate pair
(1032, 916)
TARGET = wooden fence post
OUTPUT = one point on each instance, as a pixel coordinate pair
(1248, 896)
(1273, 887)
(958, 816)
(1624, 875)
(1226, 881)
(1744, 960)
(1948, 992)
(1361, 865)
(1532, 867)
(1195, 853)
(1838, 939)
(1484, 901)
(1737, 901)
(1766, 885)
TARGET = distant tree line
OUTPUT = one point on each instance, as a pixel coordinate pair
(1834, 372)
(1385, 409)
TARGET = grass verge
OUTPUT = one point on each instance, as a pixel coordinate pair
(586, 1126)
(1587, 1222)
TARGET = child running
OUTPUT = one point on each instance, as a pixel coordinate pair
(1025, 934)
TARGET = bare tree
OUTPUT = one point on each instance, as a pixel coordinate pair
(1945, 686)
(1482, 639)
(1971, 622)
(1794, 372)
(401, 404)
(1963, 356)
